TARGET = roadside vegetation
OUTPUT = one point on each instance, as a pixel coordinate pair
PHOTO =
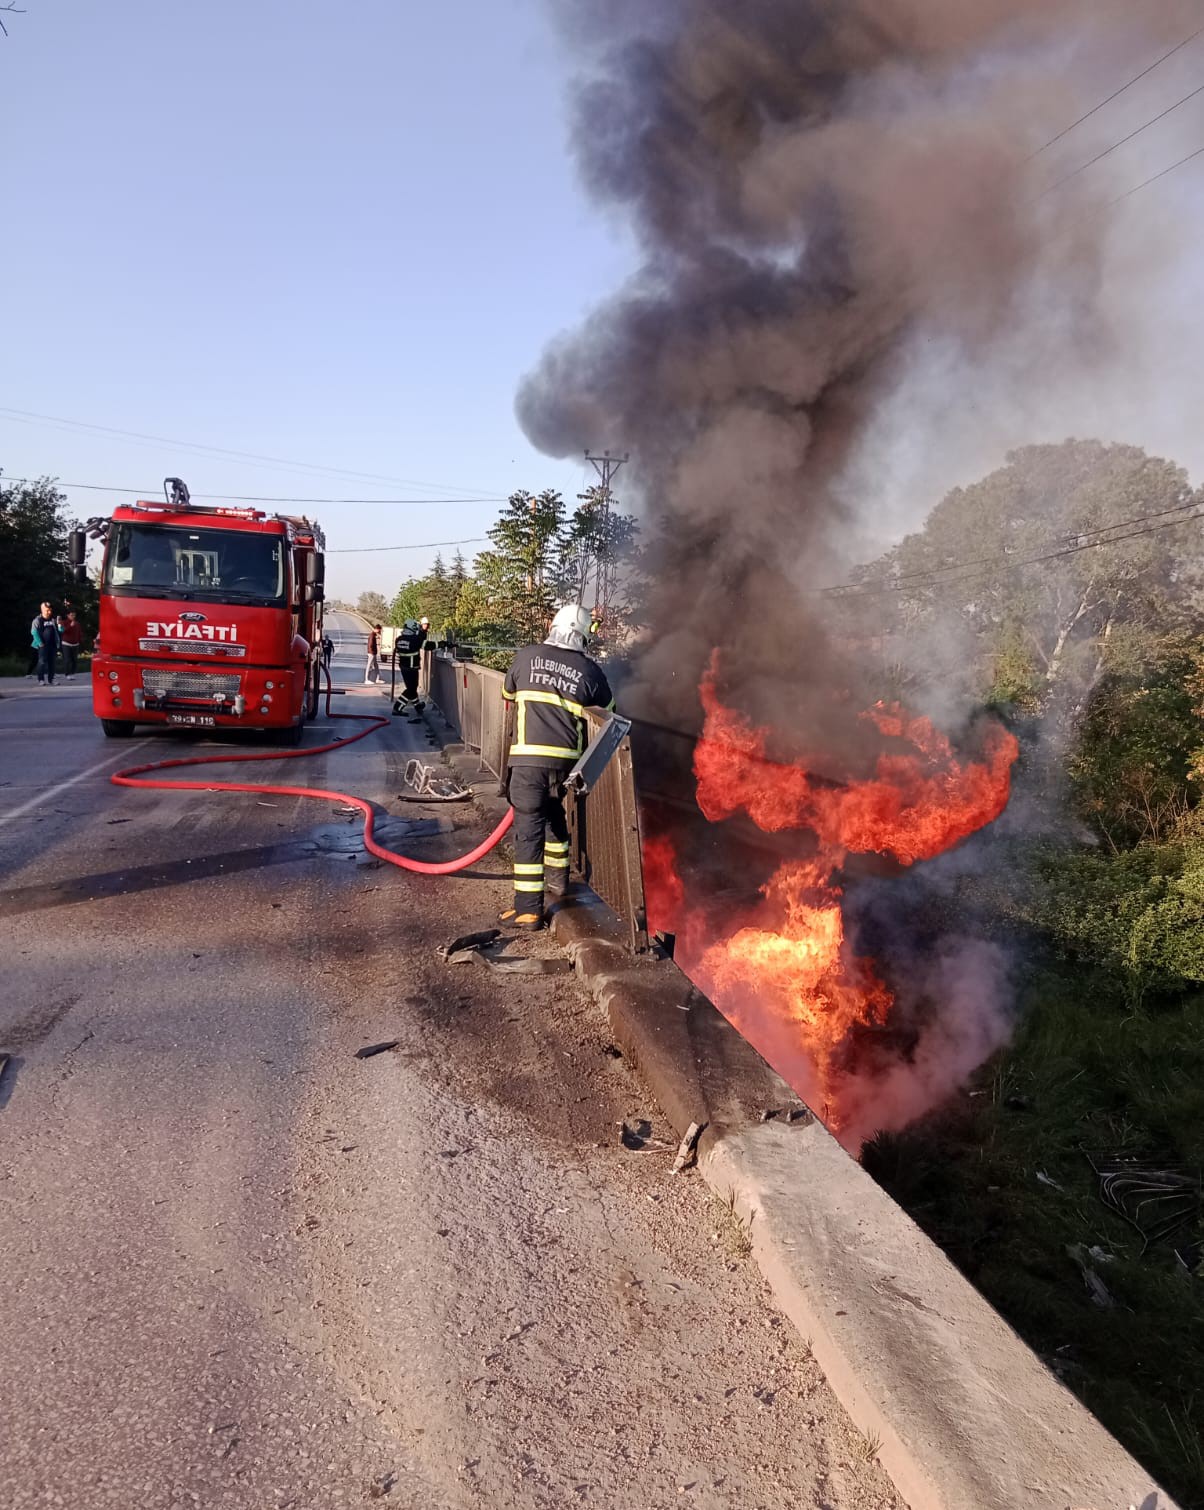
(1095, 654)
(541, 554)
(33, 547)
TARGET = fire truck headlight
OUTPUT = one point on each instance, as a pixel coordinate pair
(269, 686)
(265, 709)
(267, 696)
(112, 676)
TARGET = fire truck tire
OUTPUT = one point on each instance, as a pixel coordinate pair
(291, 737)
(116, 728)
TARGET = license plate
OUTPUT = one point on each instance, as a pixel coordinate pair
(195, 720)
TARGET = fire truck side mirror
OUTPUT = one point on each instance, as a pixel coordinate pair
(316, 586)
(77, 548)
(80, 572)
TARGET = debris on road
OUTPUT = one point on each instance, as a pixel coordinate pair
(638, 1135)
(470, 941)
(370, 1050)
(431, 783)
(483, 947)
(522, 964)
(687, 1147)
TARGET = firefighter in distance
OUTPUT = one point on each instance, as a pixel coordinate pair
(550, 686)
(407, 652)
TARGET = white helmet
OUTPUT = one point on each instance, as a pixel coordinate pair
(570, 627)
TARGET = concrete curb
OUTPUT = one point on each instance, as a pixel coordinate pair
(966, 1416)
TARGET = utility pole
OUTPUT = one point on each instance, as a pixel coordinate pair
(606, 466)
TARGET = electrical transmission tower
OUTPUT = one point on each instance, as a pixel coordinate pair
(606, 466)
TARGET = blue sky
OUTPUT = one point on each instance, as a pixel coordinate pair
(336, 235)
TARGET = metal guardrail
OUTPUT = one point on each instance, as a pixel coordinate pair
(604, 827)
(470, 698)
(604, 839)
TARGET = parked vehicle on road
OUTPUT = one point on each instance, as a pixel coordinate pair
(210, 618)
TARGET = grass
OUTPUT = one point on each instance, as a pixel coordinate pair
(732, 1232)
(1087, 1071)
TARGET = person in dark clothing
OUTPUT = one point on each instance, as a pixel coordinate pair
(407, 651)
(550, 685)
(44, 636)
(327, 651)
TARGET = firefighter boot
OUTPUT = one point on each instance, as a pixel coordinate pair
(527, 921)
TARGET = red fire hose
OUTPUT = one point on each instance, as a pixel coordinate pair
(136, 776)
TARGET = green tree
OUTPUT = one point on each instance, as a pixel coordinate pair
(595, 547)
(373, 606)
(519, 573)
(1061, 624)
(406, 602)
(33, 548)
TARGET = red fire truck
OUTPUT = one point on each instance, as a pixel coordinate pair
(210, 618)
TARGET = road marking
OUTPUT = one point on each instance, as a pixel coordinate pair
(53, 791)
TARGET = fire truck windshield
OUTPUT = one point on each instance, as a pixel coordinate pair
(167, 561)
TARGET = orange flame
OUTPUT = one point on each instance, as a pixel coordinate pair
(784, 973)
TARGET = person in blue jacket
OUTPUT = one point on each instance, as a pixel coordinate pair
(44, 637)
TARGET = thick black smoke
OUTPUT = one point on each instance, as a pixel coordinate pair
(814, 184)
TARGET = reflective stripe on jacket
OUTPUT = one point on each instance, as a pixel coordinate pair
(551, 689)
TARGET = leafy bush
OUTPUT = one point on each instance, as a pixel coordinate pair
(1139, 914)
(1131, 771)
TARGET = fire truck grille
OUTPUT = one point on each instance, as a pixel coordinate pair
(192, 683)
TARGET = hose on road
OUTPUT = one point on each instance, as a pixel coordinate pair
(137, 776)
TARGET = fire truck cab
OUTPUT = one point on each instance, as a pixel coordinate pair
(210, 618)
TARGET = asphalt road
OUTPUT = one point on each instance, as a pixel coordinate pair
(240, 1267)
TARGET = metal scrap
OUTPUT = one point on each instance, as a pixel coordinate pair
(1160, 1198)
(432, 783)
(470, 941)
(484, 948)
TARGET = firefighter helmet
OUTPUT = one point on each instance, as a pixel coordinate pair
(410, 626)
(424, 622)
(570, 627)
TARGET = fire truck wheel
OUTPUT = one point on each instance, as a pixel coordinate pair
(291, 737)
(116, 728)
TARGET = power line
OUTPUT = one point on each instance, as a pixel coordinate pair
(1116, 94)
(850, 589)
(253, 458)
(1145, 182)
(148, 493)
(1107, 152)
(430, 545)
(933, 575)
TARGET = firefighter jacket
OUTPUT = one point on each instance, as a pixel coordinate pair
(551, 689)
(407, 648)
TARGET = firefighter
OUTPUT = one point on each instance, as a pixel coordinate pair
(407, 651)
(550, 686)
